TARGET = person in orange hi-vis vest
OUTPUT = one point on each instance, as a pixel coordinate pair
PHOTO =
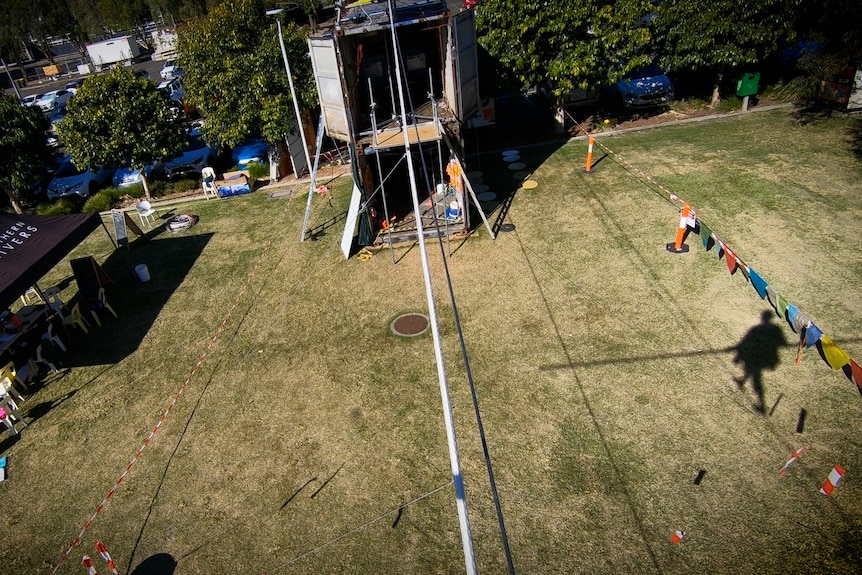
(456, 180)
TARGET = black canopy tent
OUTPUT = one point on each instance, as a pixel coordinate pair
(30, 246)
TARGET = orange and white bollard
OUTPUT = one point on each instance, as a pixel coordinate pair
(687, 218)
(832, 480)
(677, 536)
(103, 551)
(88, 565)
(588, 169)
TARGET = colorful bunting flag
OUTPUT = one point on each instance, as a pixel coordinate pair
(743, 268)
(812, 334)
(800, 320)
(834, 355)
(705, 235)
(758, 282)
(730, 259)
(856, 372)
(781, 305)
(771, 295)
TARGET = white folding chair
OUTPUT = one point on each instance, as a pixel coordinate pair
(146, 212)
(208, 184)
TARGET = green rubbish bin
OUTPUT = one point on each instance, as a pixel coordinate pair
(747, 85)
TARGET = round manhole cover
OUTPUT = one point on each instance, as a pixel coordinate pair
(409, 324)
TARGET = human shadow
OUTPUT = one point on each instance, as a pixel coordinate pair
(757, 352)
(158, 564)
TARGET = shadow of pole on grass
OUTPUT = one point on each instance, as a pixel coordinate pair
(758, 351)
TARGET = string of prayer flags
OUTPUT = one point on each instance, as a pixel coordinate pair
(781, 305)
(832, 354)
(855, 373)
(730, 259)
(791, 461)
(832, 480)
(792, 312)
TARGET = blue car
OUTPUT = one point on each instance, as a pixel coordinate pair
(255, 151)
(195, 157)
(646, 87)
(125, 177)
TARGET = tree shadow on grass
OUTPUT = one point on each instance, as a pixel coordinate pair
(136, 303)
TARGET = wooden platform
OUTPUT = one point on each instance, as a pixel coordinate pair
(394, 137)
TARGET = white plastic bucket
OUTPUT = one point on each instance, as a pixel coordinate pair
(143, 272)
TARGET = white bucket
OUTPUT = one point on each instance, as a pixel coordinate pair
(143, 272)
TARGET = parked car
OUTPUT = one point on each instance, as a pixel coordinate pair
(30, 100)
(74, 85)
(573, 99)
(195, 157)
(647, 87)
(173, 88)
(170, 70)
(69, 180)
(58, 114)
(46, 100)
(255, 151)
(125, 177)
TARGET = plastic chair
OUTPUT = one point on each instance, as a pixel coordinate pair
(102, 303)
(76, 319)
(53, 338)
(7, 419)
(54, 301)
(146, 212)
(208, 184)
(31, 297)
(9, 380)
(41, 358)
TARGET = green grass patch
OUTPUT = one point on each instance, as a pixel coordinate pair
(604, 368)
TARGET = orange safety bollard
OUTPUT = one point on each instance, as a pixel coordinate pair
(589, 167)
(686, 217)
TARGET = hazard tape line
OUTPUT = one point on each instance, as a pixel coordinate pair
(101, 506)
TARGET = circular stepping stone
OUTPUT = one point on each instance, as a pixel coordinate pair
(520, 175)
(510, 159)
(510, 153)
(517, 166)
(475, 177)
(487, 197)
(481, 188)
(529, 184)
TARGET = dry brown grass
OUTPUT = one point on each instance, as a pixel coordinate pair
(601, 364)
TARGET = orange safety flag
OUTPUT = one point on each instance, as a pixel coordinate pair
(677, 536)
(834, 355)
(88, 565)
(791, 461)
(832, 480)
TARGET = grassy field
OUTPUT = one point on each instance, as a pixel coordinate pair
(604, 368)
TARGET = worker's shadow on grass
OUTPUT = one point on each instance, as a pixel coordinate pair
(158, 564)
(757, 352)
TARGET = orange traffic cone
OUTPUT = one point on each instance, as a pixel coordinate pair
(686, 214)
(677, 536)
(88, 565)
(832, 480)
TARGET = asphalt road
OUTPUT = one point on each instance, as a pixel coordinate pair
(151, 66)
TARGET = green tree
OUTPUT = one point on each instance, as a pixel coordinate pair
(572, 43)
(236, 76)
(122, 120)
(719, 35)
(24, 152)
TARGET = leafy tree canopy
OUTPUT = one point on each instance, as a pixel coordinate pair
(573, 43)
(24, 153)
(236, 76)
(721, 34)
(122, 120)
